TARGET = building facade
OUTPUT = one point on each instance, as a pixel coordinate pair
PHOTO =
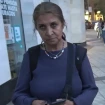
(17, 31)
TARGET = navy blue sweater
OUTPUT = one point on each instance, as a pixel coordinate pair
(49, 79)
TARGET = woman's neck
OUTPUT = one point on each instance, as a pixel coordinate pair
(59, 46)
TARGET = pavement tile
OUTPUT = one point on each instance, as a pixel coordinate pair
(101, 86)
(103, 81)
(95, 76)
(97, 63)
(99, 73)
(102, 69)
(99, 101)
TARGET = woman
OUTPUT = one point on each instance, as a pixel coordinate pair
(103, 33)
(49, 77)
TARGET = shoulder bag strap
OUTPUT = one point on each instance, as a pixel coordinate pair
(67, 93)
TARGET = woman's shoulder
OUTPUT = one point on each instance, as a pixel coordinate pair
(77, 46)
(34, 48)
(32, 51)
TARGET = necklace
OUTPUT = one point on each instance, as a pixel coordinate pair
(54, 56)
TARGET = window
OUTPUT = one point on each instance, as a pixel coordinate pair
(11, 11)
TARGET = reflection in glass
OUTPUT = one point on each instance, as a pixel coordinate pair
(14, 34)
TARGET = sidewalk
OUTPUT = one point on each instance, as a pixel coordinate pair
(96, 54)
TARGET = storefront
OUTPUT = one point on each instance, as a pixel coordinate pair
(12, 46)
(14, 34)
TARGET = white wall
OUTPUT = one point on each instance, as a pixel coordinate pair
(4, 61)
(73, 11)
(27, 7)
(77, 22)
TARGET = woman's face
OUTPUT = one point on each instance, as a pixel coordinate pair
(50, 28)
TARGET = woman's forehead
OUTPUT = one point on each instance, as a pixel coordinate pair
(47, 18)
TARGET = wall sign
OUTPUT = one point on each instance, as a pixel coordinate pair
(17, 34)
(9, 7)
(9, 33)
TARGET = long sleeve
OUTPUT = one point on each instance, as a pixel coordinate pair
(21, 94)
(89, 87)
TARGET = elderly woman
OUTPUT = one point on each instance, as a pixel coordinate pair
(45, 84)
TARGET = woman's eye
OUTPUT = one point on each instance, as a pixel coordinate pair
(53, 25)
(42, 27)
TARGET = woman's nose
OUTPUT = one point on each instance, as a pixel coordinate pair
(49, 31)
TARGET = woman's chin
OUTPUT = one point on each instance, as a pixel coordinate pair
(52, 42)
